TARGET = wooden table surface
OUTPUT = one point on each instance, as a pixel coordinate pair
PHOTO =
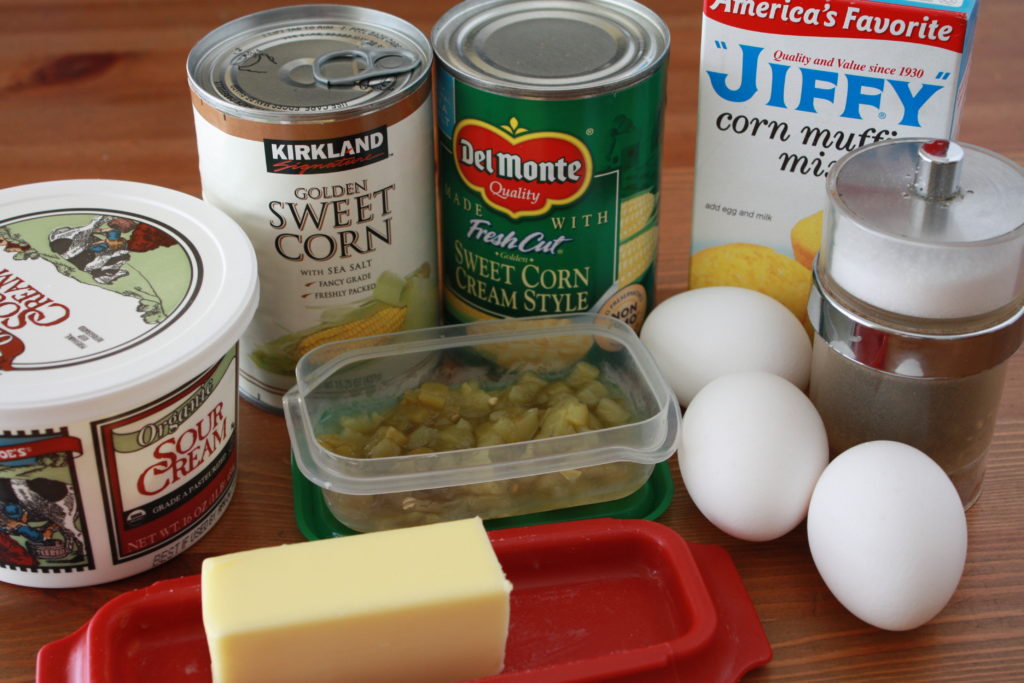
(98, 89)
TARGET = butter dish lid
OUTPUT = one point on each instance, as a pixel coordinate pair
(652, 607)
(109, 288)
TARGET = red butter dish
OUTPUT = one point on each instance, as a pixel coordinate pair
(592, 600)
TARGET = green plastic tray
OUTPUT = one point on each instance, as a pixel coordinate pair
(648, 502)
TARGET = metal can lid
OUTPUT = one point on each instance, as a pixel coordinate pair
(111, 294)
(309, 63)
(551, 49)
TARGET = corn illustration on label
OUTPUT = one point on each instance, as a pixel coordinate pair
(549, 206)
(787, 89)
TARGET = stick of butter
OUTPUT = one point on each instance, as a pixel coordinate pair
(426, 604)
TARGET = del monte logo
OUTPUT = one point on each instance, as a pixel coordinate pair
(518, 172)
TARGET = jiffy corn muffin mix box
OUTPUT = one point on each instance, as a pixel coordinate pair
(787, 87)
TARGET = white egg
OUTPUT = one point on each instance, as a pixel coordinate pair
(704, 333)
(751, 448)
(888, 534)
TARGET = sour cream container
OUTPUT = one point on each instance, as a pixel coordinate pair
(121, 305)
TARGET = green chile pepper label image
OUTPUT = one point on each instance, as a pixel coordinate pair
(549, 206)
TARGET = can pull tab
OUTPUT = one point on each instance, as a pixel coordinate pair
(399, 62)
(937, 176)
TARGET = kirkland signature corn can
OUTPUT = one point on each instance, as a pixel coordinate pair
(549, 118)
(314, 126)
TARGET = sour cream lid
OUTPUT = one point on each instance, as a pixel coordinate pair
(111, 291)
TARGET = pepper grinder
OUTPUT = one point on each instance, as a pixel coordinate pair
(917, 299)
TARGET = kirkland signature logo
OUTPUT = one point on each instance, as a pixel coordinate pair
(300, 157)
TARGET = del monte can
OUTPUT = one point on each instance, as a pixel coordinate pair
(549, 126)
(314, 125)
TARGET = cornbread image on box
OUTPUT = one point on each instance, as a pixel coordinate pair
(786, 89)
(428, 604)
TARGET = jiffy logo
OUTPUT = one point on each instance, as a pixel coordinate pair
(326, 156)
(518, 172)
(851, 92)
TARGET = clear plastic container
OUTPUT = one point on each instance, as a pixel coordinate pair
(351, 380)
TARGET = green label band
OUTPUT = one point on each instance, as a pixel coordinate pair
(548, 206)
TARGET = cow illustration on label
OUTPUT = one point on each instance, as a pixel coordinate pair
(104, 245)
(141, 275)
(41, 526)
